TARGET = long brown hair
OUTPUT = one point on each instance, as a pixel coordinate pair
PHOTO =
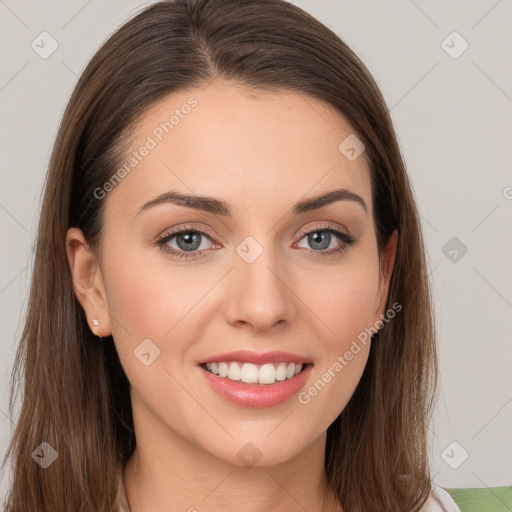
(75, 392)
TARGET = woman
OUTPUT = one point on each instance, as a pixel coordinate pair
(230, 303)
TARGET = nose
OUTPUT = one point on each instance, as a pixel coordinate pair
(260, 293)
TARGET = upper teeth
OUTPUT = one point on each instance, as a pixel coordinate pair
(267, 373)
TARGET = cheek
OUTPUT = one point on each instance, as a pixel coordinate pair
(345, 300)
(155, 301)
(146, 299)
(137, 304)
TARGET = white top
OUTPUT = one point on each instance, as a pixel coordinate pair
(438, 501)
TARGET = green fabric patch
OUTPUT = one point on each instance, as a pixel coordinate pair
(490, 499)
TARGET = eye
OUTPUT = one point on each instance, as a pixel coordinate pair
(323, 240)
(185, 243)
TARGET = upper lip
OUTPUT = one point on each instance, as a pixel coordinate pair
(247, 356)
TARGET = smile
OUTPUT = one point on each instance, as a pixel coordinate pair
(267, 373)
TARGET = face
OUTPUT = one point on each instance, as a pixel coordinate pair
(257, 267)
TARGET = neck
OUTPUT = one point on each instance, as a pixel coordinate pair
(172, 475)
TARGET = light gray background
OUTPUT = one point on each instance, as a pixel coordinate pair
(453, 119)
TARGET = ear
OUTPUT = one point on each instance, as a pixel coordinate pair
(88, 282)
(386, 265)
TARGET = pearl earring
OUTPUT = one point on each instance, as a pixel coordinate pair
(96, 323)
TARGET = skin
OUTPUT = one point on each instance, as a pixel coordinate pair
(261, 152)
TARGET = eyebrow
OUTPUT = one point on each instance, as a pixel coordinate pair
(220, 207)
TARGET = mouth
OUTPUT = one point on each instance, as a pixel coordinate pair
(253, 379)
(251, 373)
(256, 385)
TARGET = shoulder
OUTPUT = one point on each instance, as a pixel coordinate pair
(439, 501)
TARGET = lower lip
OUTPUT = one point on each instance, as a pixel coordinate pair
(257, 395)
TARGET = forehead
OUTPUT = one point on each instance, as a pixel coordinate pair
(247, 146)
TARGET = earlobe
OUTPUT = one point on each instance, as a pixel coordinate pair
(88, 282)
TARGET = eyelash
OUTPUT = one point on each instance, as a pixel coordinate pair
(346, 239)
